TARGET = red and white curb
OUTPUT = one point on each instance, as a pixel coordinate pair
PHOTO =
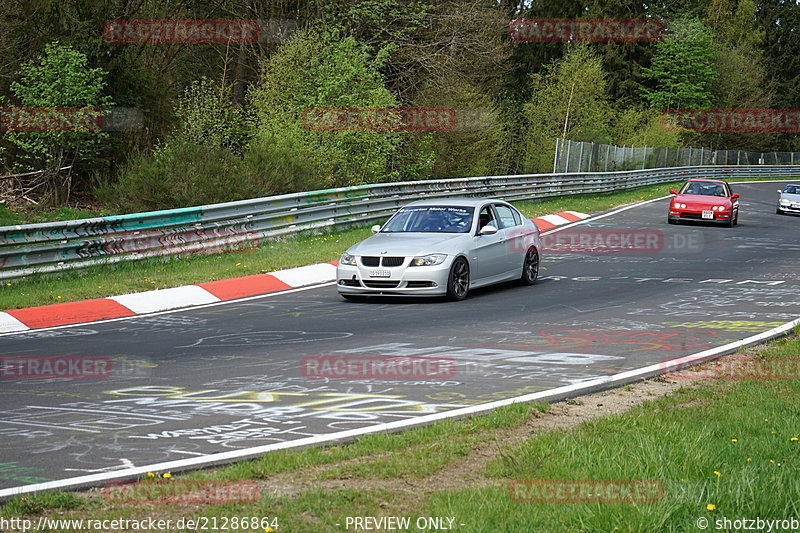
(126, 305)
(565, 217)
(67, 313)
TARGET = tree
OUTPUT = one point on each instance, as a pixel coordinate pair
(60, 78)
(570, 101)
(734, 23)
(478, 144)
(682, 72)
(780, 20)
(313, 71)
(207, 115)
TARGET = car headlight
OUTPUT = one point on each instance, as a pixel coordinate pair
(785, 202)
(347, 259)
(428, 260)
(680, 206)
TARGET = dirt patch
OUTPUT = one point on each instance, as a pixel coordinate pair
(467, 470)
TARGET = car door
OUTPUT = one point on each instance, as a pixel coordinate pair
(513, 237)
(734, 201)
(488, 251)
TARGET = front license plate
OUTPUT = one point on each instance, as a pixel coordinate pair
(708, 215)
(380, 274)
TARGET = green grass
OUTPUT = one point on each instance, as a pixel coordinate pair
(158, 273)
(684, 442)
(10, 217)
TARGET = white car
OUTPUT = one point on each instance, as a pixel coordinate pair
(442, 248)
(789, 200)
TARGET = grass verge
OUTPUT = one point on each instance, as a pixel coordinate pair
(717, 448)
(159, 273)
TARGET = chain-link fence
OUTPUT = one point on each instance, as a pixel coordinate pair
(577, 156)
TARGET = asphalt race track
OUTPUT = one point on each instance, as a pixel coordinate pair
(191, 383)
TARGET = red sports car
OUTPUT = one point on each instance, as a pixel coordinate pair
(704, 200)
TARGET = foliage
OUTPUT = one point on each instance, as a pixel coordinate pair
(570, 101)
(314, 71)
(682, 71)
(478, 141)
(207, 115)
(643, 127)
(60, 78)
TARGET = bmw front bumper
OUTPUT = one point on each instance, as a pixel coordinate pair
(400, 280)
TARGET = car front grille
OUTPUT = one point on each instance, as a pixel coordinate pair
(393, 261)
(381, 284)
(372, 261)
(691, 215)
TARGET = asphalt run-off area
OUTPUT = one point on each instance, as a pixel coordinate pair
(194, 383)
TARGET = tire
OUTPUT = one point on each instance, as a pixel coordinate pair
(530, 267)
(736, 219)
(778, 211)
(353, 297)
(458, 280)
(729, 224)
(671, 221)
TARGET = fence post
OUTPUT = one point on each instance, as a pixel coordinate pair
(569, 147)
(555, 159)
(580, 158)
(608, 154)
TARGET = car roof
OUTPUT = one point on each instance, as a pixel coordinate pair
(708, 180)
(456, 202)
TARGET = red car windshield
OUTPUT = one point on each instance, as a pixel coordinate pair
(704, 188)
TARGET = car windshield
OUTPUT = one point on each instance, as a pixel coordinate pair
(430, 219)
(703, 188)
(792, 189)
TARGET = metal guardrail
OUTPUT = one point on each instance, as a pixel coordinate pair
(56, 246)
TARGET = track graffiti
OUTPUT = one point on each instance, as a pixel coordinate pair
(265, 338)
(658, 341)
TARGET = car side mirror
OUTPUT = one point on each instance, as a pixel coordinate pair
(673, 191)
(376, 228)
(488, 230)
(734, 196)
(780, 191)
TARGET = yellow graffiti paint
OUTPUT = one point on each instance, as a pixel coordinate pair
(749, 326)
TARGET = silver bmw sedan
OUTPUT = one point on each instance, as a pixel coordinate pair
(442, 247)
